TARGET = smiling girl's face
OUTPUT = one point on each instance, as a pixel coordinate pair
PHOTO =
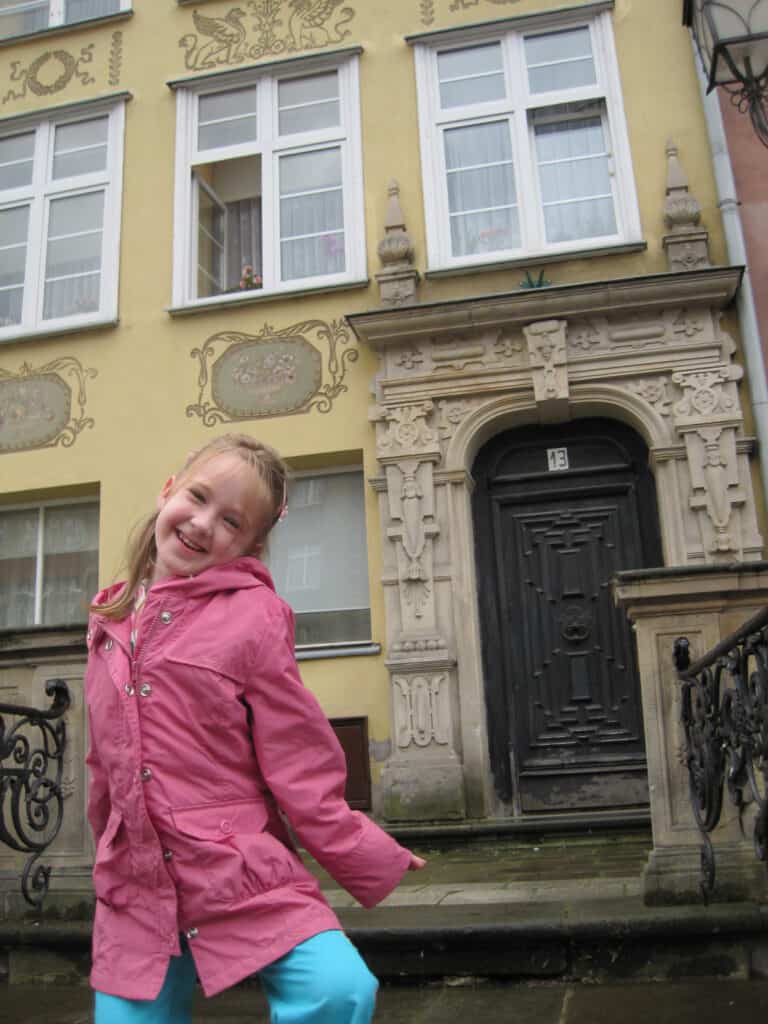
(211, 513)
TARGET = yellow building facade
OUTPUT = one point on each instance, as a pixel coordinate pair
(461, 262)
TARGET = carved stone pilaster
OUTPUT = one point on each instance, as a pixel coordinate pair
(398, 279)
(549, 365)
(423, 779)
(686, 245)
(708, 418)
(411, 508)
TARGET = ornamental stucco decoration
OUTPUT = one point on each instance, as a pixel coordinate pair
(36, 405)
(115, 58)
(53, 70)
(273, 373)
(267, 28)
(427, 7)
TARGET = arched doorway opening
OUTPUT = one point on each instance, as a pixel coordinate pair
(558, 510)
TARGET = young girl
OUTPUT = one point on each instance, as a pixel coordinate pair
(202, 737)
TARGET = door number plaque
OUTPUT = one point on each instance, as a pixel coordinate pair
(557, 458)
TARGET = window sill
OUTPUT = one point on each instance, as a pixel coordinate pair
(76, 26)
(351, 650)
(52, 332)
(256, 295)
(48, 641)
(536, 261)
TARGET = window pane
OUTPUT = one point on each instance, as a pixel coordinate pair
(471, 75)
(210, 245)
(18, 17)
(482, 199)
(73, 254)
(325, 528)
(16, 154)
(560, 60)
(13, 244)
(308, 104)
(311, 214)
(227, 118)
(76, 213)
(575, 180)
(80, 10)
(70, 562)
(18, 556)
(13, 257)
(80, 148)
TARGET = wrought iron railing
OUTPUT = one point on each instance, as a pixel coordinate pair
(725, 718)
(32, 743)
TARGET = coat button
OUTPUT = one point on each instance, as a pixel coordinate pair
(129, 690)
(165, 617)
(108, 645)
(226, 826)
(146, 774)
(145, 689)
(167, 854)
(192, 933)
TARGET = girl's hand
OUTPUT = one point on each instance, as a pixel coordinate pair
(416, 863)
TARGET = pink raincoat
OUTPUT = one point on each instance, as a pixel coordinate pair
(195, 744)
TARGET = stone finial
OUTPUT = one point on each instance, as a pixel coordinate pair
(398, 279)
(687, 245)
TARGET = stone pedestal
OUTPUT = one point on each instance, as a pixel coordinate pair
(704, 604)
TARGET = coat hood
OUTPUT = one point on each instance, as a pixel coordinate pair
(239, 574)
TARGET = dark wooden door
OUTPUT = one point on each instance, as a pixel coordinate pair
(558, 511)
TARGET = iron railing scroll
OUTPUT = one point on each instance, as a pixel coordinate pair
(725, 718)
(32, 744)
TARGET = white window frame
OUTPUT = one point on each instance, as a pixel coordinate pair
(56, 10)
(39, 195)
(515, 108)
(40, 507)
(270, 147)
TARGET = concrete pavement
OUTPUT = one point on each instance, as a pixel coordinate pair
(691, 1002)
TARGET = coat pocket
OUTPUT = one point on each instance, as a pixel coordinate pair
(228, 849)
(113, 880)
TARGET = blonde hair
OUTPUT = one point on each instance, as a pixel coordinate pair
(142, 549)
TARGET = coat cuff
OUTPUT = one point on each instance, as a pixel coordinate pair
(374, 867)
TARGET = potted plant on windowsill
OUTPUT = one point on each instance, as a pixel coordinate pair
(248, 279)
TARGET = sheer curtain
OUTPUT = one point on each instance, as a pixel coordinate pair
(482, 199)
(81, 10)
(70, 562)
(18, 17)
(574, 175)
(243, 239)
(18, 557)
(69, 576)
(311, 214)
(73, 255)
(13, 257)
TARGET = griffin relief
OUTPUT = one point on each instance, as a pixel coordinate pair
(262, 28)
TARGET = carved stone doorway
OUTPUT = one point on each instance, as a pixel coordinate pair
(558, 510)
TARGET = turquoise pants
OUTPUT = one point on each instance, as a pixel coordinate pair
(322, 981)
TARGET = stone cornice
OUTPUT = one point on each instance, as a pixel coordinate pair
(713, 287)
